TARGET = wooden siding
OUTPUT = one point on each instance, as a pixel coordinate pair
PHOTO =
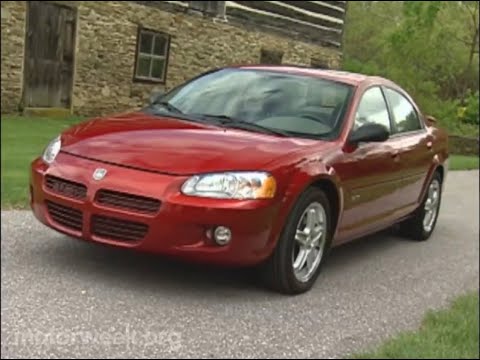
(319, 22)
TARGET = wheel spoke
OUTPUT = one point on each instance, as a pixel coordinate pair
(435, 200)
(317, 235)
(301, 259)
(428, 204)
(312, 256)
(311, 221)
(301, 237)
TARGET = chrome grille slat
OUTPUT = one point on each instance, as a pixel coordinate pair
(109, 235)
(65, 216)
(127, 201)
(64, 187)
(112, 229)
(117, 229)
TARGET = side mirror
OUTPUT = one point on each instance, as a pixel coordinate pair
(155, 95)
(430, 120)
(369, 133)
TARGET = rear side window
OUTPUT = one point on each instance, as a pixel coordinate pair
(405, 117)
(372, 109)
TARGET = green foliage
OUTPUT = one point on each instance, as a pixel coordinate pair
(427, 47)
(471, 113)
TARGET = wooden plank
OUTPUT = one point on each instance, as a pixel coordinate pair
(68, 53)
(48, 72)
(292, 28)
(320, 7)
(292, 12)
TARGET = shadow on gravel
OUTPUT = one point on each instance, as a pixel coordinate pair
(144, 272)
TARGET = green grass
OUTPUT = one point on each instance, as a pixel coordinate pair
(451, 333)
(464, 162)
(23, 139)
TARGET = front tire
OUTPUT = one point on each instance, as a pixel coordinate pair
(421, 225)
(300, 252)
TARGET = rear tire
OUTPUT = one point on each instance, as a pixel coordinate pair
(305, 240)
(422, 224)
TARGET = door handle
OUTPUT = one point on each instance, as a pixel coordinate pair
(395, 155)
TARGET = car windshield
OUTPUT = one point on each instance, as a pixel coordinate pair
(284, 103)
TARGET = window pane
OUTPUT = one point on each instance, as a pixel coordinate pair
(157, 68)
(146, 43)
(160, 45)
(404, 114)
(143, 66)
(372, 109)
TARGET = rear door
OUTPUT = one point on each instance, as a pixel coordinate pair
(412, 144)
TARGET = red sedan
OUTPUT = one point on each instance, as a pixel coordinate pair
(252, 165)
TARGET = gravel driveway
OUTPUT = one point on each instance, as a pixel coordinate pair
(66, 298)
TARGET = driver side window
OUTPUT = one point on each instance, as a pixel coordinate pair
(372, 109)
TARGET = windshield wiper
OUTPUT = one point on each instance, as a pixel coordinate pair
(244, 125)
(168, 105)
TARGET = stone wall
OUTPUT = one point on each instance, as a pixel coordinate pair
(13, 39)
(106, 46)
(462, 145)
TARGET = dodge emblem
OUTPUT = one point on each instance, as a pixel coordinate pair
(99, 174)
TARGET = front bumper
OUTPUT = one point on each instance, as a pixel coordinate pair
(180, 227)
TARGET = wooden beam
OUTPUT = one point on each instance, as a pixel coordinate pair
(290, 12)
(286, 25)
(321, 7)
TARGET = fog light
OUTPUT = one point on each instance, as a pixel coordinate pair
(222, 235)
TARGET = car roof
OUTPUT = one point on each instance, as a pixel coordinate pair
(350, 78)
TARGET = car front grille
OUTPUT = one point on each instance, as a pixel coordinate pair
(127, 201)
(117, 229)
(66, 216)
(65, 187)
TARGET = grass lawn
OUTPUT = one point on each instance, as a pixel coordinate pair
(463, 162)
(446, 334)
(23, 139)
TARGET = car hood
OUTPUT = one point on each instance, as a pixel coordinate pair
(174, 146)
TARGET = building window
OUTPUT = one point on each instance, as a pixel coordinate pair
(271, 57)
(152, 56)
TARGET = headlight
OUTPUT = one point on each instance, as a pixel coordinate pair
(52, 150)
(232, 185)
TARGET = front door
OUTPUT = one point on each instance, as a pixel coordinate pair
(371, 174)
(50, 49)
